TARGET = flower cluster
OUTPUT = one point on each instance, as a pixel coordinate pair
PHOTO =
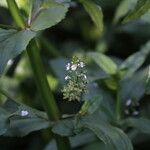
(76, 80)
(132, 108)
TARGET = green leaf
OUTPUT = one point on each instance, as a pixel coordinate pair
(3, 121)
(12, 44)
(114, 138)
(18, 125)
(141, 124)
(49, 16)
(104, 62)
(140, 9)
(135, 61)
(23, 126)
(95, 13)
(64, 128)
(123, 8)
(90, 106)
(134, 87)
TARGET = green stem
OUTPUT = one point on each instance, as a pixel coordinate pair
(40, 76)
(16, 13)
(41, 81)
(118, 105)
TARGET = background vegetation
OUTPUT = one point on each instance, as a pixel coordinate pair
(112, 38)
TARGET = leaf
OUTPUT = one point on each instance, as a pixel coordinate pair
(3, 121)
(19, 125)
(141, 124)
(48, 17)
(64, 128)
(134, 87)
(135, 61)
(12, 44)
(95, 13)
(148, 82)
(104, 62)
(90, 106)
(123, 8)
(140, 9)
(114, 138)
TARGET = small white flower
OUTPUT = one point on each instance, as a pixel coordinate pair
(68, 66)
(74, 67)
(128, 103)
(24, 113)
(85, 77)
(10, 62)
(82, 64)
(135, 113)
(67, 77)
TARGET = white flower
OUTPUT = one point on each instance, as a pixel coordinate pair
(74, 67)
(24, 113)
(68, 66)
(82, 64)
(67, 77)
(128, 103)
(135, 113)
(85, 77)
(10, 62)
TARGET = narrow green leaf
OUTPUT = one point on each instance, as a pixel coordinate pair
(12, 44)
(140, 9)
(124, 7)
(135, 61)
(48, 17)
(104, 62)
(95, 13)
(141, 124)
(90, 106)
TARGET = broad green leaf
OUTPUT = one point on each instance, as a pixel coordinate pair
(104, 62)
(141, 124)
(135, 61)
(95, 13)
(19, 125)
(64, 128)
(12, 44)
(140, 9)
(114, 138)
(49, 16)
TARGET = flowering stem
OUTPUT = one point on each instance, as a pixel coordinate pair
(40, 76)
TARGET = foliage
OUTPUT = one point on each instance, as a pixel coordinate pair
(107, 96)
